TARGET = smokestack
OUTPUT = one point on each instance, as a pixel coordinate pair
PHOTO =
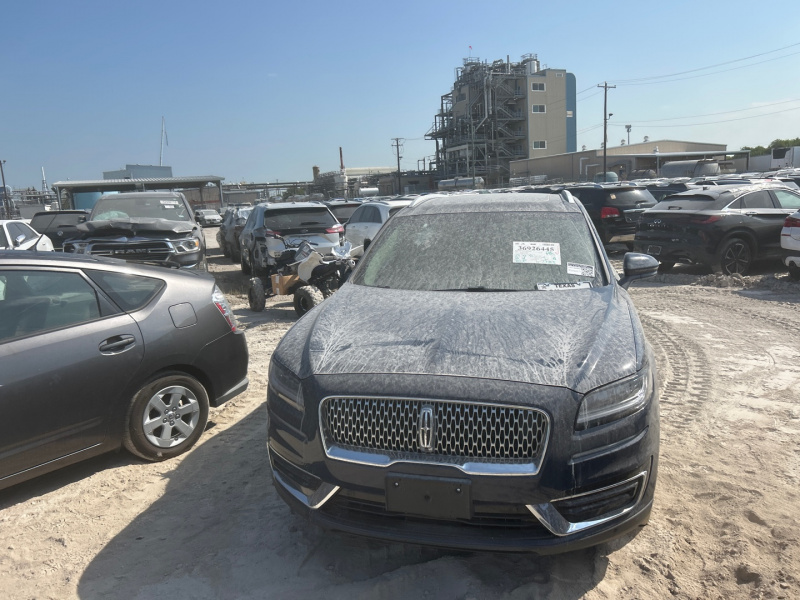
(341, 159)
(315, 171)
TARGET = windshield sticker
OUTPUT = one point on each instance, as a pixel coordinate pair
(551, 287)
(579, 269)
(169, 203)
(540, 253)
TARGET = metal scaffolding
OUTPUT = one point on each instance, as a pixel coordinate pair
(482, 123)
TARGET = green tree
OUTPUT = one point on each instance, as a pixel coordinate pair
(779, 143)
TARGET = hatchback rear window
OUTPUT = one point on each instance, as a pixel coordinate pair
(629, 197)
(129, 292)
(299, 218)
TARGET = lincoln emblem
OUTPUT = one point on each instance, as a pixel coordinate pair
(427, 429)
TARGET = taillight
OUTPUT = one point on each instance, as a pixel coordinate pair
(705, 220)
(335, 229)
(792, 222)
(609, 211)
(218, 298)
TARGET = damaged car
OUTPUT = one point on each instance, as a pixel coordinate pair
(482, 381)
(147, 227)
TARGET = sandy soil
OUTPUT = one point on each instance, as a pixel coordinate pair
(210, 525)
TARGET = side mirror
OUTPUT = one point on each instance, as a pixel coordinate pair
(637, 266)
(19, 240)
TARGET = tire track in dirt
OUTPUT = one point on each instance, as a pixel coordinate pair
(684, 372)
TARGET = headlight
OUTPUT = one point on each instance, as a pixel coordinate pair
(285, 384)
(616, 400)
(190, 245)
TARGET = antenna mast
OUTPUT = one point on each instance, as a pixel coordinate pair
(161, 153)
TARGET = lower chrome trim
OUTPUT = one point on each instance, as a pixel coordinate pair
(323, 493)
(549, 516)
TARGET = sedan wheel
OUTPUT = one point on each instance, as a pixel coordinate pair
(735, 257)
(166, 417)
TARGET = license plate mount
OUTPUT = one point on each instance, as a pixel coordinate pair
(654, 250)
(433, 497)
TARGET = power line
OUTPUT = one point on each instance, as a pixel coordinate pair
(722, 64)
(727, 120)
(714, 114)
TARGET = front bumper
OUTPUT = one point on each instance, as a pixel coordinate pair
(592, 486)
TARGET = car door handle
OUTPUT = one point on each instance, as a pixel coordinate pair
(117, 344)
(751, 214)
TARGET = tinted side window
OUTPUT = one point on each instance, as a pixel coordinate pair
(32, 302)
(358, 216)
(129, 292)
(3, 240)
(758, 200)
(17, 229)
(373, 215)
(787, 199)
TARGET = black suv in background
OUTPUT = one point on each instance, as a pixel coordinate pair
(156, 228)
(58, 225)
(614, 208)
(724, 227)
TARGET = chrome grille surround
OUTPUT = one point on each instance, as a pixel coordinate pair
(133, 250)
(479, 438)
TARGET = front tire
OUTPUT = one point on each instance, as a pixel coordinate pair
(735, 257)
(665, 267)
(794, 272)
(246, 268)
(256, 295)
(306, 298)
(166, 417)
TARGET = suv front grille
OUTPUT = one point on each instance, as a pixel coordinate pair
(141, 251)
(459, 432)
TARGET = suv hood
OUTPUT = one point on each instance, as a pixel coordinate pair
(578, 339)
(135, 226)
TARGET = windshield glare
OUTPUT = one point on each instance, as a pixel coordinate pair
(147, 207)
(510, 251)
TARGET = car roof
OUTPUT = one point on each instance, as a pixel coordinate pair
(284, 205)
(736, 190)
(391, 203)
(495, 202)
(32, 258)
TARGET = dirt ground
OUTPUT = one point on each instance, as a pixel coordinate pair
(210, 524)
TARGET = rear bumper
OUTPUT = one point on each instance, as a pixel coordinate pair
(674, 252)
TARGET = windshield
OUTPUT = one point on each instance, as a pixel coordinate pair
(151, 207)
(511, 251)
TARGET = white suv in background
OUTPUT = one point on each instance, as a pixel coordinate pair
(790, 244)
(367, 220)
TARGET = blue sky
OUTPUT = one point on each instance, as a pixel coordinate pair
(263, 91)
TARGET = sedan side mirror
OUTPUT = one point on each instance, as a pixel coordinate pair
(637, 266)
(18, 241)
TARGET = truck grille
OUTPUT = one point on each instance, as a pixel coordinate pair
(457, 432)
(141, 251)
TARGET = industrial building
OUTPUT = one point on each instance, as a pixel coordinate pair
(502, 111)
(627, 162)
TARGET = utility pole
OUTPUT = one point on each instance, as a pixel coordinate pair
(397, 150)
(605, 87)
(628, 129)
(6, 202)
